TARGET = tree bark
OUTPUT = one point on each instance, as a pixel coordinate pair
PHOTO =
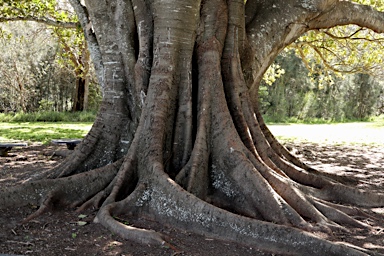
(179, 137)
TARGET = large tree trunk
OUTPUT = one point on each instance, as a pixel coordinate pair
(179, 137)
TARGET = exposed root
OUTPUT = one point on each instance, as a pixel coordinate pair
(339, 216)
(349, 210)
(127, 232)
(45, 206)
(78, 156)
(255, 169)
(94, 201)
(247, 180)
(63, 191)
(219, 152)
(291, 203)
(340, 193)
(124, 179)
(168, 203)
(139, 235)
(194, 175)
(99, 141)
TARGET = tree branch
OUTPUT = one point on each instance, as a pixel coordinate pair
(345, 13)
(351, 37)
(45, 21)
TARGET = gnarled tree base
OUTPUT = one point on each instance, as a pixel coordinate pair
(180, 112)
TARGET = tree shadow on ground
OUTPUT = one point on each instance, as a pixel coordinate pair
(59, 232)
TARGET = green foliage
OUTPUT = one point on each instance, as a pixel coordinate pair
(46, 105)
(337, 89)
(378, 121)
(343, 49)
(37, 9)
(273, 72)
(378, 4)
(29, 7)
(362, 93)
(25, 66)
(313, 99)
(283, 98)
(333, 52)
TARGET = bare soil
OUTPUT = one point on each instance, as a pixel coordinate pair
(65, 232)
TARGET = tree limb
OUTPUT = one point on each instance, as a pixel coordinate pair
(345, 13)
(45, 21)
(350, 37)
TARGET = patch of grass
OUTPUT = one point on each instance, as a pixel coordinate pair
(42, 131)
(378, 121)
(295, 120)
(354, 134)
(48, 116)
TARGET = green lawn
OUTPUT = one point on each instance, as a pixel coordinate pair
(361, 133)
(42, 131)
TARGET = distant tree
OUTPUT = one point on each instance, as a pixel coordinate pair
(74, 52)
(24, 63)
(63, 22)
(286, 93)
(362, 96)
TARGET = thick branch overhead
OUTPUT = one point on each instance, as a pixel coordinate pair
(345, 13)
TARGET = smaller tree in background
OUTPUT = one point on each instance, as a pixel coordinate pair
(362, 97)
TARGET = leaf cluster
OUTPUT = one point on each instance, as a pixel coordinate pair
(377, 4)
(343, 49)
(35, 9)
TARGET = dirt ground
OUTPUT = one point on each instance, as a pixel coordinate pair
(68, 233)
